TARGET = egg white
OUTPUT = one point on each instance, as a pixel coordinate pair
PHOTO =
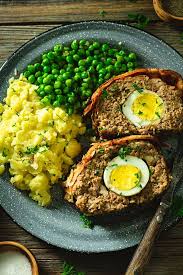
(118, 161)
(128, 112)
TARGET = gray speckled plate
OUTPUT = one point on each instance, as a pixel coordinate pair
(60, 225)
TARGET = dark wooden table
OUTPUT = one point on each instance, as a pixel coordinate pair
(20, 21)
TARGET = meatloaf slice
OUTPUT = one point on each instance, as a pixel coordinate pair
(85, 186)
(106, 105)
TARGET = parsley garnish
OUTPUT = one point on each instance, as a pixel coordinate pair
(102, 13)
(124, 151)
(69, 269)
(35, 149)
(158, 115)
(113, 165)
(137, 88)
(101, 150)
(143, 103)
(138, 176)
(150, 172)
(97, 172)
(86, 221)
(177, 207)
(141, 21)
(4, 152)
(104, 94)
(140, 112)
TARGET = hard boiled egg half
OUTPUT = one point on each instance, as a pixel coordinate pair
(143, 107)
(126, 176)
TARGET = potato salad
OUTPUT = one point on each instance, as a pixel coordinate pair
(38, 141)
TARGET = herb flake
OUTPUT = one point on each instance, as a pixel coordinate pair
(87, 222)
(69, 269)
(104, 94)
(124, 151)
(141, 21)
(102, 13)
(137, 88)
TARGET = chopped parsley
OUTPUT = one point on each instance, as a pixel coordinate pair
(69, 269)
(141, 21)
(87, 222)
(158, 115)
(143, 104)
(102, 13)
(101, 150)
(124, 151)
(140, 112)
(113, 165)
(150, 172)
(138, 176)
(137, 88)
(104, 94)
(5, 152)
(35, 149)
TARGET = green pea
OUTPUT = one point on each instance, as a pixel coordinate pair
(94, 62)
(91, 48)
(81, 62)
(44, 56)
(130, 69)
(130, 65)
(41, 87)
(119, 58)
(76, 57)
(26, 74)
(55, 66)
(45, 100)
(46, 69)
(85, 86)
(132, 56)
(60, 98)
(82, 42)
(69, 59)
(108, 61)
(97, 52)
(123, 68)
(71, 99)
(55, 76)
(66, 90)
(58, 91)
(57, 84)
(45, 61)
(56, 103)
(89, 60)
(37, 74)
(110, 68)
(74, 45)
(31, 78)
(58, 48)
(84, 74)
(68, 82)
(60, 78)
(48, 89)
(122, 53)
(100, 81)
(111, 52)
(66, 75)
(55, 71)
(81, 52)
(37, 66)
(42, 94)
(107, 76)
(62, 71)
(96, 45)
(87, 80)
(51, 55)
(31, 68)
(77, 77)
(117, 64)
(82, 69)
(126, 58)
(91, 69)
(47, 80)
(87, 53)
(70, 111)
(99, 67)
(40, 79)
(102, 71)
(105, 47)
(45, 75)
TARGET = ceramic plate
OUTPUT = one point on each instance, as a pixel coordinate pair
(60, 224)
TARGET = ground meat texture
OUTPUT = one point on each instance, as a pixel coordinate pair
(90, 194)
(109, 121)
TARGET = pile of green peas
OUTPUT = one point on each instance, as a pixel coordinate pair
(68, 75)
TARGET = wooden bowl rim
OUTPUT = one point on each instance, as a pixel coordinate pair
(26, 251)
(166, 13)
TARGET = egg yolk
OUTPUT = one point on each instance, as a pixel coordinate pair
(125, 177)
(148, 106)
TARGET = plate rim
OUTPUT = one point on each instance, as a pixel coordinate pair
(27, 43)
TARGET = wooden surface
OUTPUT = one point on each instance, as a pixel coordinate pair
(20, 21)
